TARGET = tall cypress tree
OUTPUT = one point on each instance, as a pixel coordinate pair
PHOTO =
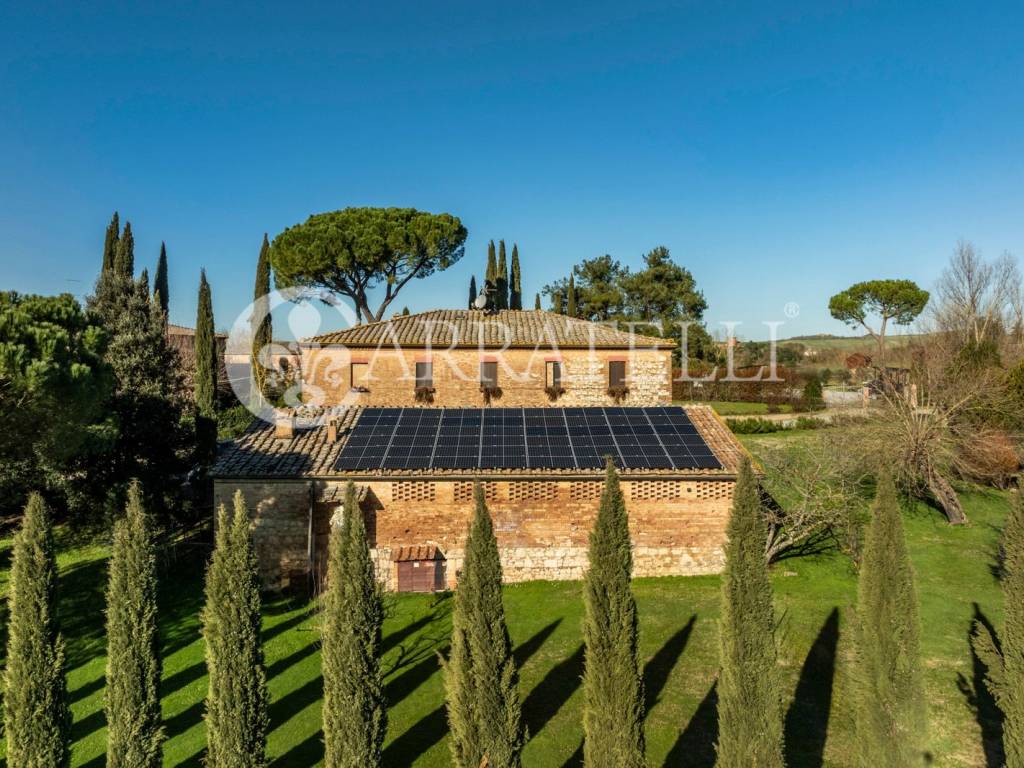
(236, 702)
(491, 275)
(750, 717)
(262, 332)
(354, 710)
(1005, 659)
(134, 734)
(515, 299)
(484, 711)
(887, 690)
(124, 257)
(613, 691)
(36, 714)
(160, 287)
(110, 243)
(205, 381)
(536, 301)
(502, 278)
(570, 304)
(472, 291)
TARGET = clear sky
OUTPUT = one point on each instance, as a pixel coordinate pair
(780, 153)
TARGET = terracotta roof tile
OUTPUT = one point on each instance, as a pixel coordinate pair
(445, 328)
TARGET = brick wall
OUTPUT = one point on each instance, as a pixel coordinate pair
(521, 376)
(678, 528)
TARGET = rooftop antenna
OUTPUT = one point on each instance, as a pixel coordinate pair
(481, 302)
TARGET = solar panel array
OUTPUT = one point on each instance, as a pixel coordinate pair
(524, 438)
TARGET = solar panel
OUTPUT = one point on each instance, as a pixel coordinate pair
(521, 438)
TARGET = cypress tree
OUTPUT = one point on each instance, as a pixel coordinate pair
(557, 303)
(134, 734)
(354, 710)
(491, 276)
(750, 717)
(36, 714)
(536, 301)
(236, 702)
(502, 278)
(405, 311)
(262, 332)
(1005, 659)
(124, 257)
(570, 308)
(160, 288)
(484, 711)
(613, 689)
(515, 299)
(110, 243)
(472, 291)
(887, 690)
(205, 381)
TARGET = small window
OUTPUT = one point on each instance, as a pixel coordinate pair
(553, 374)
(488, 374)
(424, 375)
(359, 375)
(617, 373)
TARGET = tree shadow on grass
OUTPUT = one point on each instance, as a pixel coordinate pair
(986, 712)
(808, 715)
(432, 727)
(661, 664)
(551, 693)
(695, 746)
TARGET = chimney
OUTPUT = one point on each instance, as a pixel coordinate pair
(332, 430)
(284, 426)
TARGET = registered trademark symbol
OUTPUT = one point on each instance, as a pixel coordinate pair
(792, 309)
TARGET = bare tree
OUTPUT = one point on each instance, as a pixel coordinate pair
(813, 491)
(978, 300)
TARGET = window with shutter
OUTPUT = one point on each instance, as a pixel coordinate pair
(616, 373)
(488, 374)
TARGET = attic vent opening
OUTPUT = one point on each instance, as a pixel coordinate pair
(532, 491)
(654, 490)
(463, 491)
(409, 491)
(589, 490)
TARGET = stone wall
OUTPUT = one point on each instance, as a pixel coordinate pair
(280, 514)
(542, 526)
(678, 527)
(326, 376)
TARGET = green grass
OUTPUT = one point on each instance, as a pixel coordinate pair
(678, 644)
(725, 408)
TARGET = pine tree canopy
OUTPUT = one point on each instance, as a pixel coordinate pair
(236, 702)
(132, 698)
(484, 711)
(354, 709)
(613, 690)
(888, 693)
(36, 715)
(750, 717)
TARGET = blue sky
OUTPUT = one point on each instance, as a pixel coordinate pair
(781, 153)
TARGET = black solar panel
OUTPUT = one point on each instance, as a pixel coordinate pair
(524, 438)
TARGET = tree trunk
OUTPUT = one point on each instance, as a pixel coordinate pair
(945, 496)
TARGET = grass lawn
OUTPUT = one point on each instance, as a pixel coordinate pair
(725, 408)
(678, 644)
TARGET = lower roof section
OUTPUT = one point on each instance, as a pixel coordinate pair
(319, 437)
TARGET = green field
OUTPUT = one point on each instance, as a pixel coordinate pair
(678, 644)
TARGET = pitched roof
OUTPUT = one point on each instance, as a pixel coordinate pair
(308, 454)
(444, 328)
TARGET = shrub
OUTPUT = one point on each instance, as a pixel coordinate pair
(754, 425)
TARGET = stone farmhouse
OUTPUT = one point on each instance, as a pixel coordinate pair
(541, 372)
